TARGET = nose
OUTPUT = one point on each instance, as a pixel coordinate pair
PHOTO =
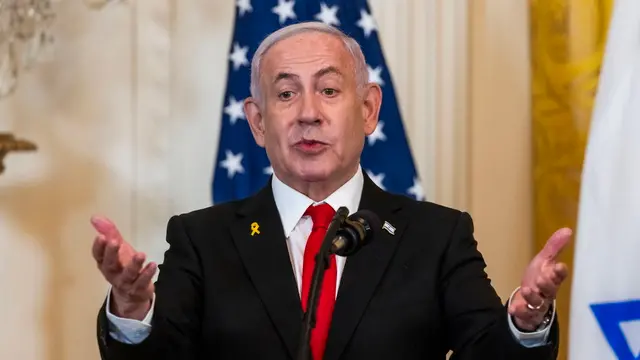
(309, 112)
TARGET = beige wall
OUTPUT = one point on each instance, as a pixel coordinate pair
(499, 152)
(119, 116)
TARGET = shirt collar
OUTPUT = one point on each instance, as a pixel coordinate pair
(292, 204)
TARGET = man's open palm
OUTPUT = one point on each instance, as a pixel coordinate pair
(541, 281)
(122, 267)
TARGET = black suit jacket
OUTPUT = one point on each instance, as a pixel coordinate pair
(225, 294)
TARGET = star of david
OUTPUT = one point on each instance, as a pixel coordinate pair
(610, 315)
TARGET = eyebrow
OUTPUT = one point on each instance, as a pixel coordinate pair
(318, 74)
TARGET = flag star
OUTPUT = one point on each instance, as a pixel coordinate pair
(328, 15)
(377, 134)
(244, 6)
(284, 10)
(233, 163)
(375, 75)
(268, 170)
(366, 22)
(239, 56)
(377, 179)
(234, 110)
(416, 190)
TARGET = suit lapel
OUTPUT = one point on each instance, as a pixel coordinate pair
(364, 270)
(265, 256)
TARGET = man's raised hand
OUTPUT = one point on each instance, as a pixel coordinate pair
(541, 281)
(122, 266)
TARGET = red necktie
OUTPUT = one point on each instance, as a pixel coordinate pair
(321, 216)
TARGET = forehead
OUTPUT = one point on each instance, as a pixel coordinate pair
(307, 51)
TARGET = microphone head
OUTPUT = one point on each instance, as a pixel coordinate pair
(342, 212)
(370, 221)
(357, 230)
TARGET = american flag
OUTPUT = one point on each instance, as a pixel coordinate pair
(242, 167)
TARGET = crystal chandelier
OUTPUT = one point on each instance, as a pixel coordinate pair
(25, 36)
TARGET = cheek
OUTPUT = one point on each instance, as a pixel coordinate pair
(276, 134)
(349, 137)
(354, 125)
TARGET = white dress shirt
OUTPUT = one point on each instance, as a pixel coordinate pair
(297, 228)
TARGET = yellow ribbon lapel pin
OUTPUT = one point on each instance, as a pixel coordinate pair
(255, 228)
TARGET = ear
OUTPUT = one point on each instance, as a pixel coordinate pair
(372, 100)
(254, 118)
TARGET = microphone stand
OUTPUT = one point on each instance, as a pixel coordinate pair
(322, 264)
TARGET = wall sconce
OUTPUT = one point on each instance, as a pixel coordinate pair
(9, 143)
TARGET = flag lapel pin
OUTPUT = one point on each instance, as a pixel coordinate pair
(389, 228)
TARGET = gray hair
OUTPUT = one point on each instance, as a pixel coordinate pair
(361, 70)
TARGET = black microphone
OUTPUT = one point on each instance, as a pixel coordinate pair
(322, 264)
(356, 231)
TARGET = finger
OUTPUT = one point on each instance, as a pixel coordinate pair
(561, 271)
(111, 261)
(526, 318)
(529, 319)
(518, 307)
(524, 314)
(106, 227)
(99, 245)
(144, 279)
(132, 270)
(556, 243)
(557, 273)
(547, 288)
(532, 298)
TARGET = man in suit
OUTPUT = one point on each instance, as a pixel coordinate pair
(235, 279)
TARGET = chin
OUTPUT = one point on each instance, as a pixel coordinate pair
(313, 176)
(314, 172)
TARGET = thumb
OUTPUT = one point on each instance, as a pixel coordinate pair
(106, 227)
(556, 243)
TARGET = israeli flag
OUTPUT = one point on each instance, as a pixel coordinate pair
(605, 299)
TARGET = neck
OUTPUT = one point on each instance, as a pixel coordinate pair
(320, 190)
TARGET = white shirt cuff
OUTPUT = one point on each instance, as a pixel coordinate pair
(129, 331)
(535, 338)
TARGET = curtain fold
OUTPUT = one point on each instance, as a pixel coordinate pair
(567, 44)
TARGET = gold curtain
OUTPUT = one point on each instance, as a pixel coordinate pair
(567, 44)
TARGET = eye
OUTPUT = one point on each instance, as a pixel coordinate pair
(285, 95)
(330, 92)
